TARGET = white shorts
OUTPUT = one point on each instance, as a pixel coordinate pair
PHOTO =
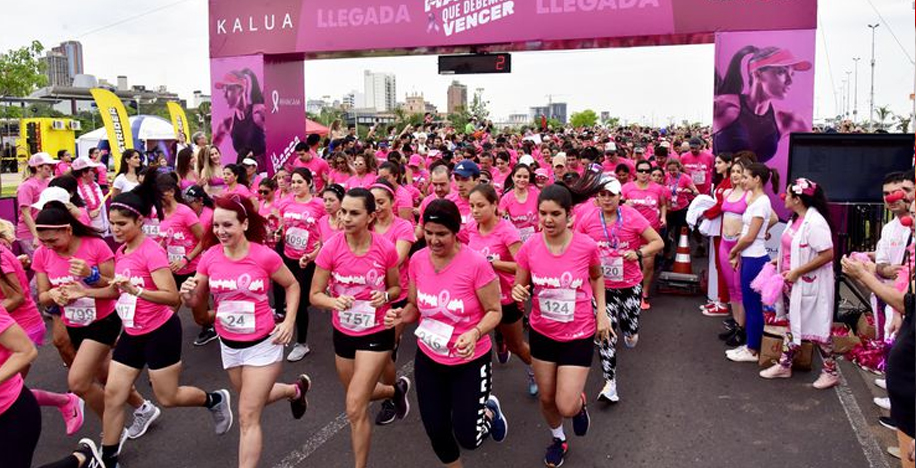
(260, 355)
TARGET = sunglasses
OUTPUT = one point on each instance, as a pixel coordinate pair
(643, 171)
(263, 192)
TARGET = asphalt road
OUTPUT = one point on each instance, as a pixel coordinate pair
(682, 405)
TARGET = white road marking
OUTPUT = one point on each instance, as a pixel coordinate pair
(859, 424)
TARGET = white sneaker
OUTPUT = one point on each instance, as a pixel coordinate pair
(883, 403)
(299, 351)
(609, 392)
(881, 383)
(742, 354)
(144, 416)
(729, 352)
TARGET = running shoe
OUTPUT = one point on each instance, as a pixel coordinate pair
(631, 341)
(581, 421)
(894, 452)
(222, 413)
(644, 305)
(609, 392)
(401, 402)
(144, 416)
(730, 324)
(741, 354)
(532, 383)
(776, 371)
(73, 412)
(499, 426)
(825, 381)
(386, 414)
(502, 353)
(883, 403)
(881, 383)
(887, 422)
(299, 405)
(738, 338)
(207, 334)
(556, 453)
(728, 334)
(716, 311)
(91, 451)
(708, 306)
(300, 350)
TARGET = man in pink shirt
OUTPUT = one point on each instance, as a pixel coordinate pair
(307, 157)
(440, 181)
(698, 164)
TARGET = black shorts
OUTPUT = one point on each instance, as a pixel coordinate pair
(576, 353)
(103, 331)
(157, 349)
(346, 346)
(511, 314)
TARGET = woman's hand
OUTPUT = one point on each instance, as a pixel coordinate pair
(59, 296)
(187, 289)
(630, 256)
(68, 293)
(177, 265)
(605, 331)
(79, 268)
(790, 276)
(344, 302)
(733, 259)
(856, 269)
(306, 259)
(283, 333)
(377, 299)
(467, 343)
(394, 318)
(521, 293)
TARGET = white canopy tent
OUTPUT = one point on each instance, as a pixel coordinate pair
(145, 128)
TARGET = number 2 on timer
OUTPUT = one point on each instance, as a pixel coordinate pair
(501, 63)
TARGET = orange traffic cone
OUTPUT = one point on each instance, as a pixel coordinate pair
(682, 262)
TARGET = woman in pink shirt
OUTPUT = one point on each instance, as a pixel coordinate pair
(238, 271)
(299, 217)
(181, 233)
(331, 223)
(498, 240)
(183, 168)
(20, 417)
(147, 297)
(90, 192)
(340, 169)
(624, 238)
(41, 167)
(267, 192)
(502, 171)
(73, 252)
(454, 294)
(66, 158)
(210, 169)
(519, 201)
(364, 168)
(680, 191)
(402, 235)
(356, 278)
(561, 272)
(236, 179)
(282, 178)
(403, 201)
(650, 201)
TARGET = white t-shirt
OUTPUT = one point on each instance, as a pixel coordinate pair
(761, 208)
(892, 245)
(121, 183)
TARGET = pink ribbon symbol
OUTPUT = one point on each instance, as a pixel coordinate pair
(442, 308)
(431, 24)
(243, 283)
(372, 278)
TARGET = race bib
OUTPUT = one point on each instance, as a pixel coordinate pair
(435, 335)
(126, 307)
(558, 305)
(612, 268)
(151, 228)
(358, 318)
(297, 238)
(526, 233)
(81, 311)
(237, 316)
(176, 253)
(699, 177)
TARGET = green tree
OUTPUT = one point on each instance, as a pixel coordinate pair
(612, 122)
(20, 70)
(903, 123)
(479, 107)
(586, 118)
(883, 113)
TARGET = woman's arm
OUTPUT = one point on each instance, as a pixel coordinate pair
(319, 297)
(488, 296)
(887, 293)
(508, 266)
(521, 289)
(822, 258)
(403, 248)
(748, 239)
(654, 243)
(166, 293)
(596, 278)
(22, 350)
(193, 289)
(12, 292)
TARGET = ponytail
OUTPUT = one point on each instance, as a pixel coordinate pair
(142, 199)
(765, 173)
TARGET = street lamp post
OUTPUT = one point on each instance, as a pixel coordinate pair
(855, 107)
(871, 104)
(848, 90)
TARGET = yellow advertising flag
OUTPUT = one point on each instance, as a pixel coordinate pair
(179, 120)
(117, 125)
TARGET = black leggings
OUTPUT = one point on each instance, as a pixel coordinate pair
(20, 427)
(676, 220)
(304, 277)
(452, 403)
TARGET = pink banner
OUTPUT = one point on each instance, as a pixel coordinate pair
(239, 27)
(764, 92)
(284, 84)
(238, 108)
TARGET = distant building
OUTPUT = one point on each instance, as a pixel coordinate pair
(85, 81)
(605, 116)
(519, 119)
(73, 50)
(122, 83)
(200, 98)
(556, 110)
(417, 105)
(56, 69)
(314, 106)
(380, 90)
(457, 98)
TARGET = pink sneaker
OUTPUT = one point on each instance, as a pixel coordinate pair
(776, 372)
(73, 413)
(826, 381)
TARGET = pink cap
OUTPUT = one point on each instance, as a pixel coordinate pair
(40, 159)
(83, 162)
(541, 173)
(415, 161)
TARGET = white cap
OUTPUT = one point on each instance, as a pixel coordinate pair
(610, 146)
(51, 194)
(40, 159)
(526, 159)
(249, 162)
(84, 162)
(611, 184)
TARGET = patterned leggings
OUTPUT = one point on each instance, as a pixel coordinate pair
(790, 349)
(623, 306)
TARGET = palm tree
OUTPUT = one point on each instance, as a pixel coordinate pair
(884, 112)
(903, 123)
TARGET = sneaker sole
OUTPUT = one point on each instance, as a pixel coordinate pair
(94, 449)
(227, 399)
(205, 342)
(81, 404)
(558, 465)
(290, 358)
(406, 399)
(499, 408)
(149, 423)
(887, 426)
(304, 389)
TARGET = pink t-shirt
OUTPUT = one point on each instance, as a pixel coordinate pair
(337, 177)
(402, 199)
(648, 201)
(618, 237)
(206, 218)
(357, 276)
(300, 221)
(426, 201)
(448, 303)
(464, 207)
(499, 179)
(239, 189)
(495, 246)
(103, 176)
(62, 168)
(326, 232)
(26, 195)
(319, 168)
(239, 289)
(176, 237)
(94, 252)
(700, 169)
(400, 230)
(561, 291)
(678, 191)
(523, 215)
(786, 241)
(138, 266)
(271, 213)
(11, 387)
(26, 315)
(356, 181)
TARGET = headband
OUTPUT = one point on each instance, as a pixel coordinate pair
(383, 187)
(234, 197)
(803, 186)
(51, 226)
(126, 207)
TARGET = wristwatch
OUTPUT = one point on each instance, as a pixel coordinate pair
(387, 297)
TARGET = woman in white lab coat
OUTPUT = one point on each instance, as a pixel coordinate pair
(805, 260)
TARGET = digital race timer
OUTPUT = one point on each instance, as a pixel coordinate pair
(474, 63)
